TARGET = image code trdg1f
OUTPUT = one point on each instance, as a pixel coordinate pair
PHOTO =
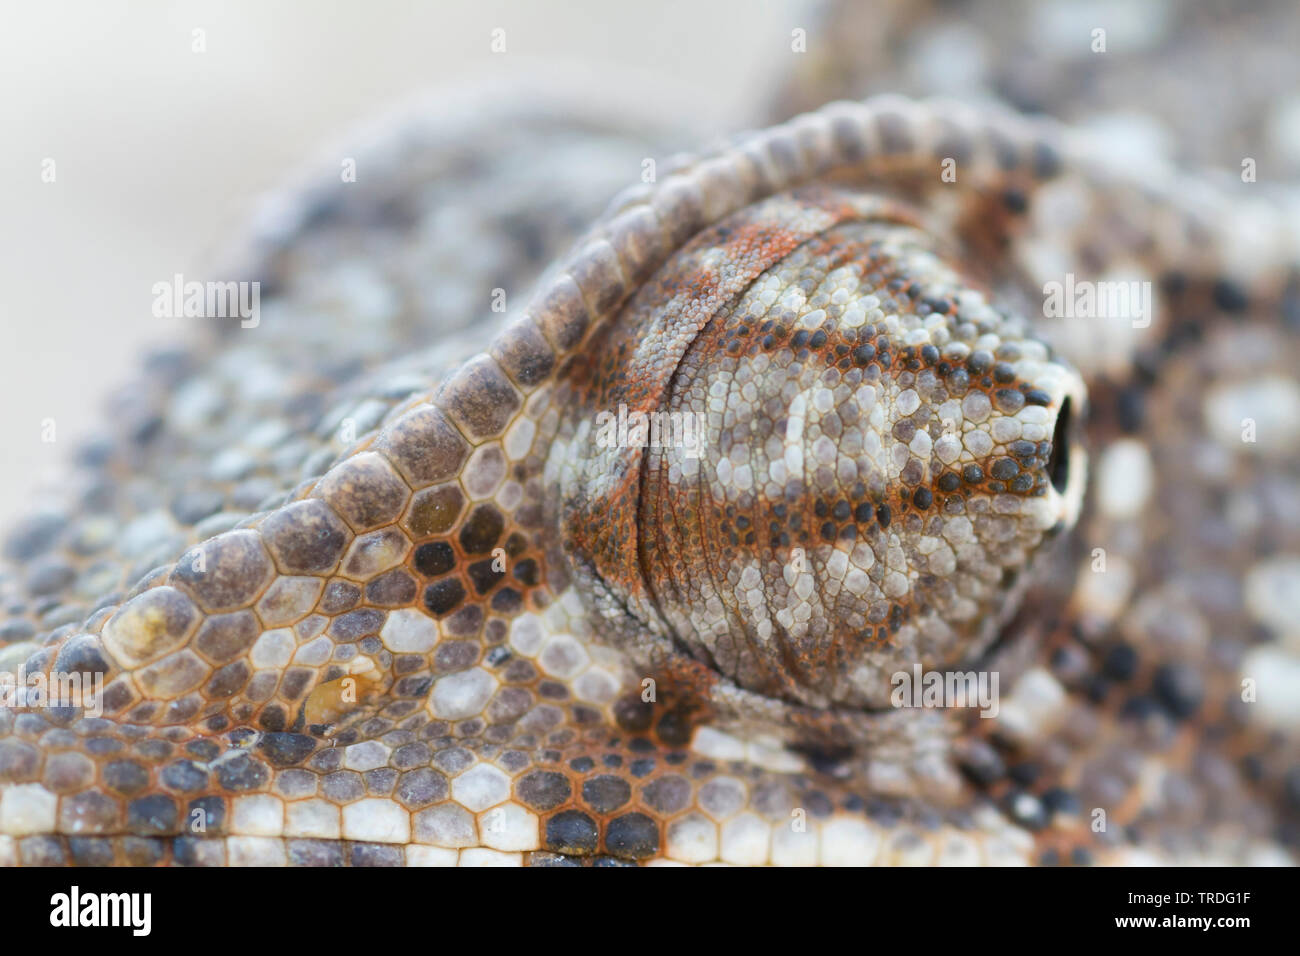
(611, 434)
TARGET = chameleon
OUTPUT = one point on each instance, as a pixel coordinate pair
(639, 569)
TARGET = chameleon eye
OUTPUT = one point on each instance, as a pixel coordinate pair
(822, 456)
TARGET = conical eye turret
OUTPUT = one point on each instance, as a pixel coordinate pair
(814, 454)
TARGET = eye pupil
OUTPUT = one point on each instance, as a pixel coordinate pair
(1058, 467)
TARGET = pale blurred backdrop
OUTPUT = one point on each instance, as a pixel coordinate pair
(160, 152)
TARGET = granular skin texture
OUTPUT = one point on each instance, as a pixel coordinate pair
(632, 572)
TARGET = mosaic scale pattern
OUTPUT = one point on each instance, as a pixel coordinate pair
(480, 634)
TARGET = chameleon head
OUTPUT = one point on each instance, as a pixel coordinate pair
(837, 458)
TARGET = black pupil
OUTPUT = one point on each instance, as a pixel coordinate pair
(1058, 468)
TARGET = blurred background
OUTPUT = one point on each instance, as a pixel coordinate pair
(161, 152)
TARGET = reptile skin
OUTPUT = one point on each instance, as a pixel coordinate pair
(460, 619)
